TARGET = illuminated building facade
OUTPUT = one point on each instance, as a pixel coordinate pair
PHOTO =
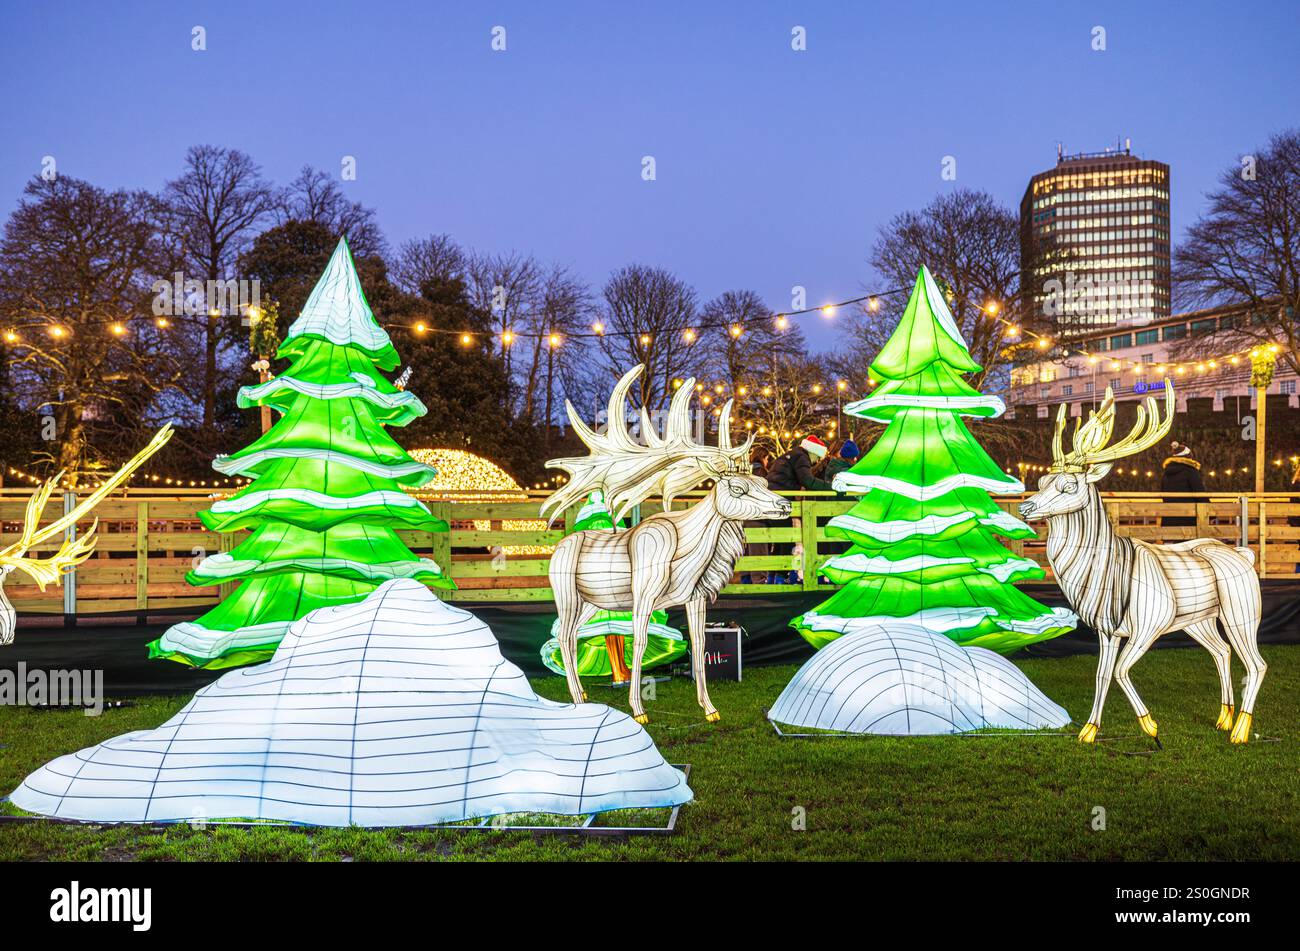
(1199, 351)
(1094, 241)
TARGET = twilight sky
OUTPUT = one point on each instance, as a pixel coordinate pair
(774, 167)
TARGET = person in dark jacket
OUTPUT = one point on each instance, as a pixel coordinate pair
(792, 472)
(1182, 473)
(848, 456)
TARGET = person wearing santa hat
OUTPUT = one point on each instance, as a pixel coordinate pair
(792, 472)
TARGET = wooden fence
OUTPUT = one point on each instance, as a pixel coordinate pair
(498, 551)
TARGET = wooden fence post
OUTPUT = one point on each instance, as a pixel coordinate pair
(141, 562)
(808, 538)
(440, 542)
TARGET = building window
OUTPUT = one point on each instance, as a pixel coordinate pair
(1068, 390)
(1044, 392)
(1288, 386)
(1149, 357)
(1147, 336)
(1202, 327)
(1176, 332)
(1087, 387)
(1120, 341)
(1042, 412)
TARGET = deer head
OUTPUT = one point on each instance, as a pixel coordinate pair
(1067, 486)
(628, 471)
(71, 552)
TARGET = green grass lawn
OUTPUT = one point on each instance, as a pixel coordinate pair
(999, 797)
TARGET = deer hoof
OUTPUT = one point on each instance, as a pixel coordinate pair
(1088, 734)
(641, 718)
(1148, 725)
(1241, 732)
(713, 717)
(584, 697)
(1225, 717)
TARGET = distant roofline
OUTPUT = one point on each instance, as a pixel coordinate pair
(1219, 310)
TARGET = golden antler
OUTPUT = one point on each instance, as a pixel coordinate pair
(1088, 446)
(72, 552)
(628, 472)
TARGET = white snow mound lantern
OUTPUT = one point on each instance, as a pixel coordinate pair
(396, 710)
(902, 680)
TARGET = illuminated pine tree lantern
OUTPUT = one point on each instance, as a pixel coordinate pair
(326, 496)
(924, 532)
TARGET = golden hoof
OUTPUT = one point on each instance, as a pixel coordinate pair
(1148, 725)
(1226, 713)
(713, 717)
(584, 696)
(641, 718)
(1241, 732)
(1088, 734)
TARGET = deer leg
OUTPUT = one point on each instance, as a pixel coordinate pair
(1239, 608)
(1105, 669)
(1206, 633)
(652, 547)
(640, 637)
(569, 607)
(1133, 651)
(695, 622)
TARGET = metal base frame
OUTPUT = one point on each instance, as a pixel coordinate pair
(484, 825)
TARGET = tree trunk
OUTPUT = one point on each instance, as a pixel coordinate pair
(209, 370)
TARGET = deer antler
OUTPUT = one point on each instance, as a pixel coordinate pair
(1089, 443)
(72, 552)
(628, 472)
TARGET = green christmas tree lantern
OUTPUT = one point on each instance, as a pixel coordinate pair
(326, 494)
(924, 547)
(605, 642)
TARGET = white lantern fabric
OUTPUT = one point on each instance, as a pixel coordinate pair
(902, 680)
(396, 710)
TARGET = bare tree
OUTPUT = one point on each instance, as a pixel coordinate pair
(509, 288)
(317, 196)
(647, 313)
(972, 246)
(213, 211)
(435, 258)
(1246, 248)
(76, 266)
(793, 401)
(742, 342)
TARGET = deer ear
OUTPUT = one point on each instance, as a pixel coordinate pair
(1096, 471)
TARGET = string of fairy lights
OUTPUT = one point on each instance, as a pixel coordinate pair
(1025, 469)
(1014, 333)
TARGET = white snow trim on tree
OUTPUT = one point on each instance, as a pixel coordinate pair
(939, 307)
(318, 499)
(941, 620)
(880, 565)
(956, 404)
(896, 679)
(861, 484)
(204, 643)
(244, 465)
(364, 389)
(222, 565)
(929, 525)
(396, 710)
(337, 310)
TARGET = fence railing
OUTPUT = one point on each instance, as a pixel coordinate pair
(499, 550)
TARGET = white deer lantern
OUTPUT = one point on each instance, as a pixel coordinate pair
(671, 558)
(1131, 592)
(71, 552)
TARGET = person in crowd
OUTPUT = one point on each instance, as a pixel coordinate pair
(1182, 473)
(844, 460)
(792, 472)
